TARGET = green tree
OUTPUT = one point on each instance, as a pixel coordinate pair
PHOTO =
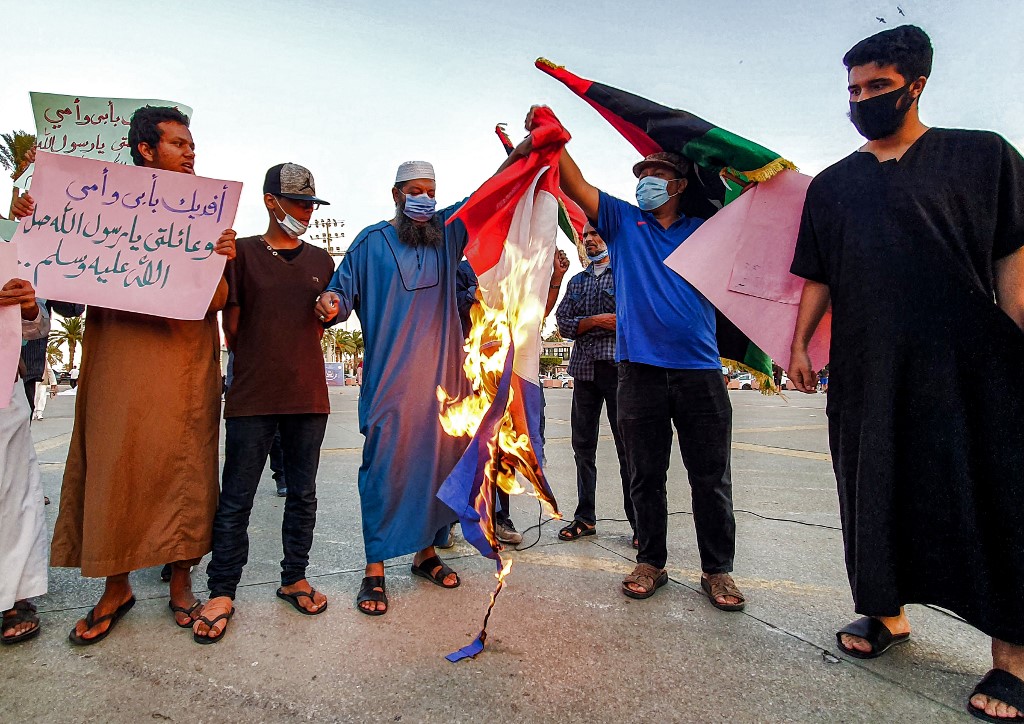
(71, 333)
(54, 354)
(14, 149)
(548, 363)
(554, 337)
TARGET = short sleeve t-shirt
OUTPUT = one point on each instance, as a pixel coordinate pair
(279, 364)
(662, 319)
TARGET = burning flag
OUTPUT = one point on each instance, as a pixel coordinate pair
(512, 221)
(724, 165)
(570, 216)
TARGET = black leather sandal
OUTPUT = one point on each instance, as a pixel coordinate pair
(366, 593)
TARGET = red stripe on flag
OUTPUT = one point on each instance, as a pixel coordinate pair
(633, 133)
(488, 213)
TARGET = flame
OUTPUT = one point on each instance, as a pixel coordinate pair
(510, 312)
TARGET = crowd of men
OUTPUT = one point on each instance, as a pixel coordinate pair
(914, 240)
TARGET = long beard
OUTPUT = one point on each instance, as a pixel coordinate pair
(420, 234)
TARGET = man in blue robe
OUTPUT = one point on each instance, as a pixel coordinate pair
(399, 278)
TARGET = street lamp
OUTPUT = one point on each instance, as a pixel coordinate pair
(329, 235)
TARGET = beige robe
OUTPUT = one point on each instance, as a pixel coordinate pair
(140, 486)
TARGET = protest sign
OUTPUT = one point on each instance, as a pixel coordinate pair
(86, 127)
(739, 259)
(10, 326)
(125, 237)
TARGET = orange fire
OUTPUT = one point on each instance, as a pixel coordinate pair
(510, 313)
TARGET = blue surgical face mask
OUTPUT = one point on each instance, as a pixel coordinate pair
(289, 224)
(652, 192)
(420, 207)
(599, 256)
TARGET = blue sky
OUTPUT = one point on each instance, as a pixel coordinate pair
(351, 89)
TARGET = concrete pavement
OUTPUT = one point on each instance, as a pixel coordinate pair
(564, 643)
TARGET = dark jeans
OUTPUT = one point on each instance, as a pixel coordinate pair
(588, 397)
(30, 392)
(277, 461)
(246, 447)
(652, 400)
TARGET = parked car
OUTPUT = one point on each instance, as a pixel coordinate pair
(566, 380)
(743, 381)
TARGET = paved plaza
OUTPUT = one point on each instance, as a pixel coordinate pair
(565, 645)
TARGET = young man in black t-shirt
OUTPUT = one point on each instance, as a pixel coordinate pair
(279, 384)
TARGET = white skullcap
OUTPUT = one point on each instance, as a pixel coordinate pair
(414, 169)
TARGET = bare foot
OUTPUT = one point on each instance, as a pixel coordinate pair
(213, 608)
(450, 580)
(313, 605)
(181, 592)
(374, 569)
(115, 595)
(1008, 658)
(896, 624)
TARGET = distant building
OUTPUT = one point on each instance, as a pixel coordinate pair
(561, 349)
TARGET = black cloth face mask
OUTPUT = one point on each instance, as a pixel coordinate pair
(880, 116)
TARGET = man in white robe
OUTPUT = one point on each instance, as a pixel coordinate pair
(23, 546)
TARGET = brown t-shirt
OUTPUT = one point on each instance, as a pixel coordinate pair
(279, 364)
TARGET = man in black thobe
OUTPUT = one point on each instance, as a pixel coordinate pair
(916, 242)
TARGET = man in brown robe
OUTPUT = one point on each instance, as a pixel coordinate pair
(140, 485)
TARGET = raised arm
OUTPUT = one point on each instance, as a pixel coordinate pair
(576, 187)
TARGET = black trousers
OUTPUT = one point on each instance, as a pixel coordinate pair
(588, 397)
(247, 444)
(651, 401)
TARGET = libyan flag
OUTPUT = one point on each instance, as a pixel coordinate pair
(724, 164)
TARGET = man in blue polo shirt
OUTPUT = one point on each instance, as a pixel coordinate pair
(669, 373)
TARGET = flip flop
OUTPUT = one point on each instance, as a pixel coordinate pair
(187, 611)
(1001, 685)
(576, 530)
(210, 622)
(293, 599)
(425, 567)
(366, 593)
(91, 622)
(875, 633)
(26, 613)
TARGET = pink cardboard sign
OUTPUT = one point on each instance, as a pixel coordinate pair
(739, 259)
(10, 326)
(125, 237)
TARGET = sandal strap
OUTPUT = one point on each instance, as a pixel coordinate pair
(1004, 686)
(303, 594)
(24, 605)
(215, 619)
(721, 584)
(644, 575)
(373, 582)
(428, 565)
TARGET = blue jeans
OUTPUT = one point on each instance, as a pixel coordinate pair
(247, 445)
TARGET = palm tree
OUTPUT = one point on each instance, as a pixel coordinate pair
(14, 149)
(328, 343)
(54, 354)
(71, 332)
(357, 342)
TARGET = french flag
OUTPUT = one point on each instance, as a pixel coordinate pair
(512, 221)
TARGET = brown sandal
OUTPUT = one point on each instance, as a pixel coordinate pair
(721, 584)
(647, 577)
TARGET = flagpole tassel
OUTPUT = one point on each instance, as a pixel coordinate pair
(768, 170)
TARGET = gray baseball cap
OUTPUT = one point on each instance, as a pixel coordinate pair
(293, 182)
